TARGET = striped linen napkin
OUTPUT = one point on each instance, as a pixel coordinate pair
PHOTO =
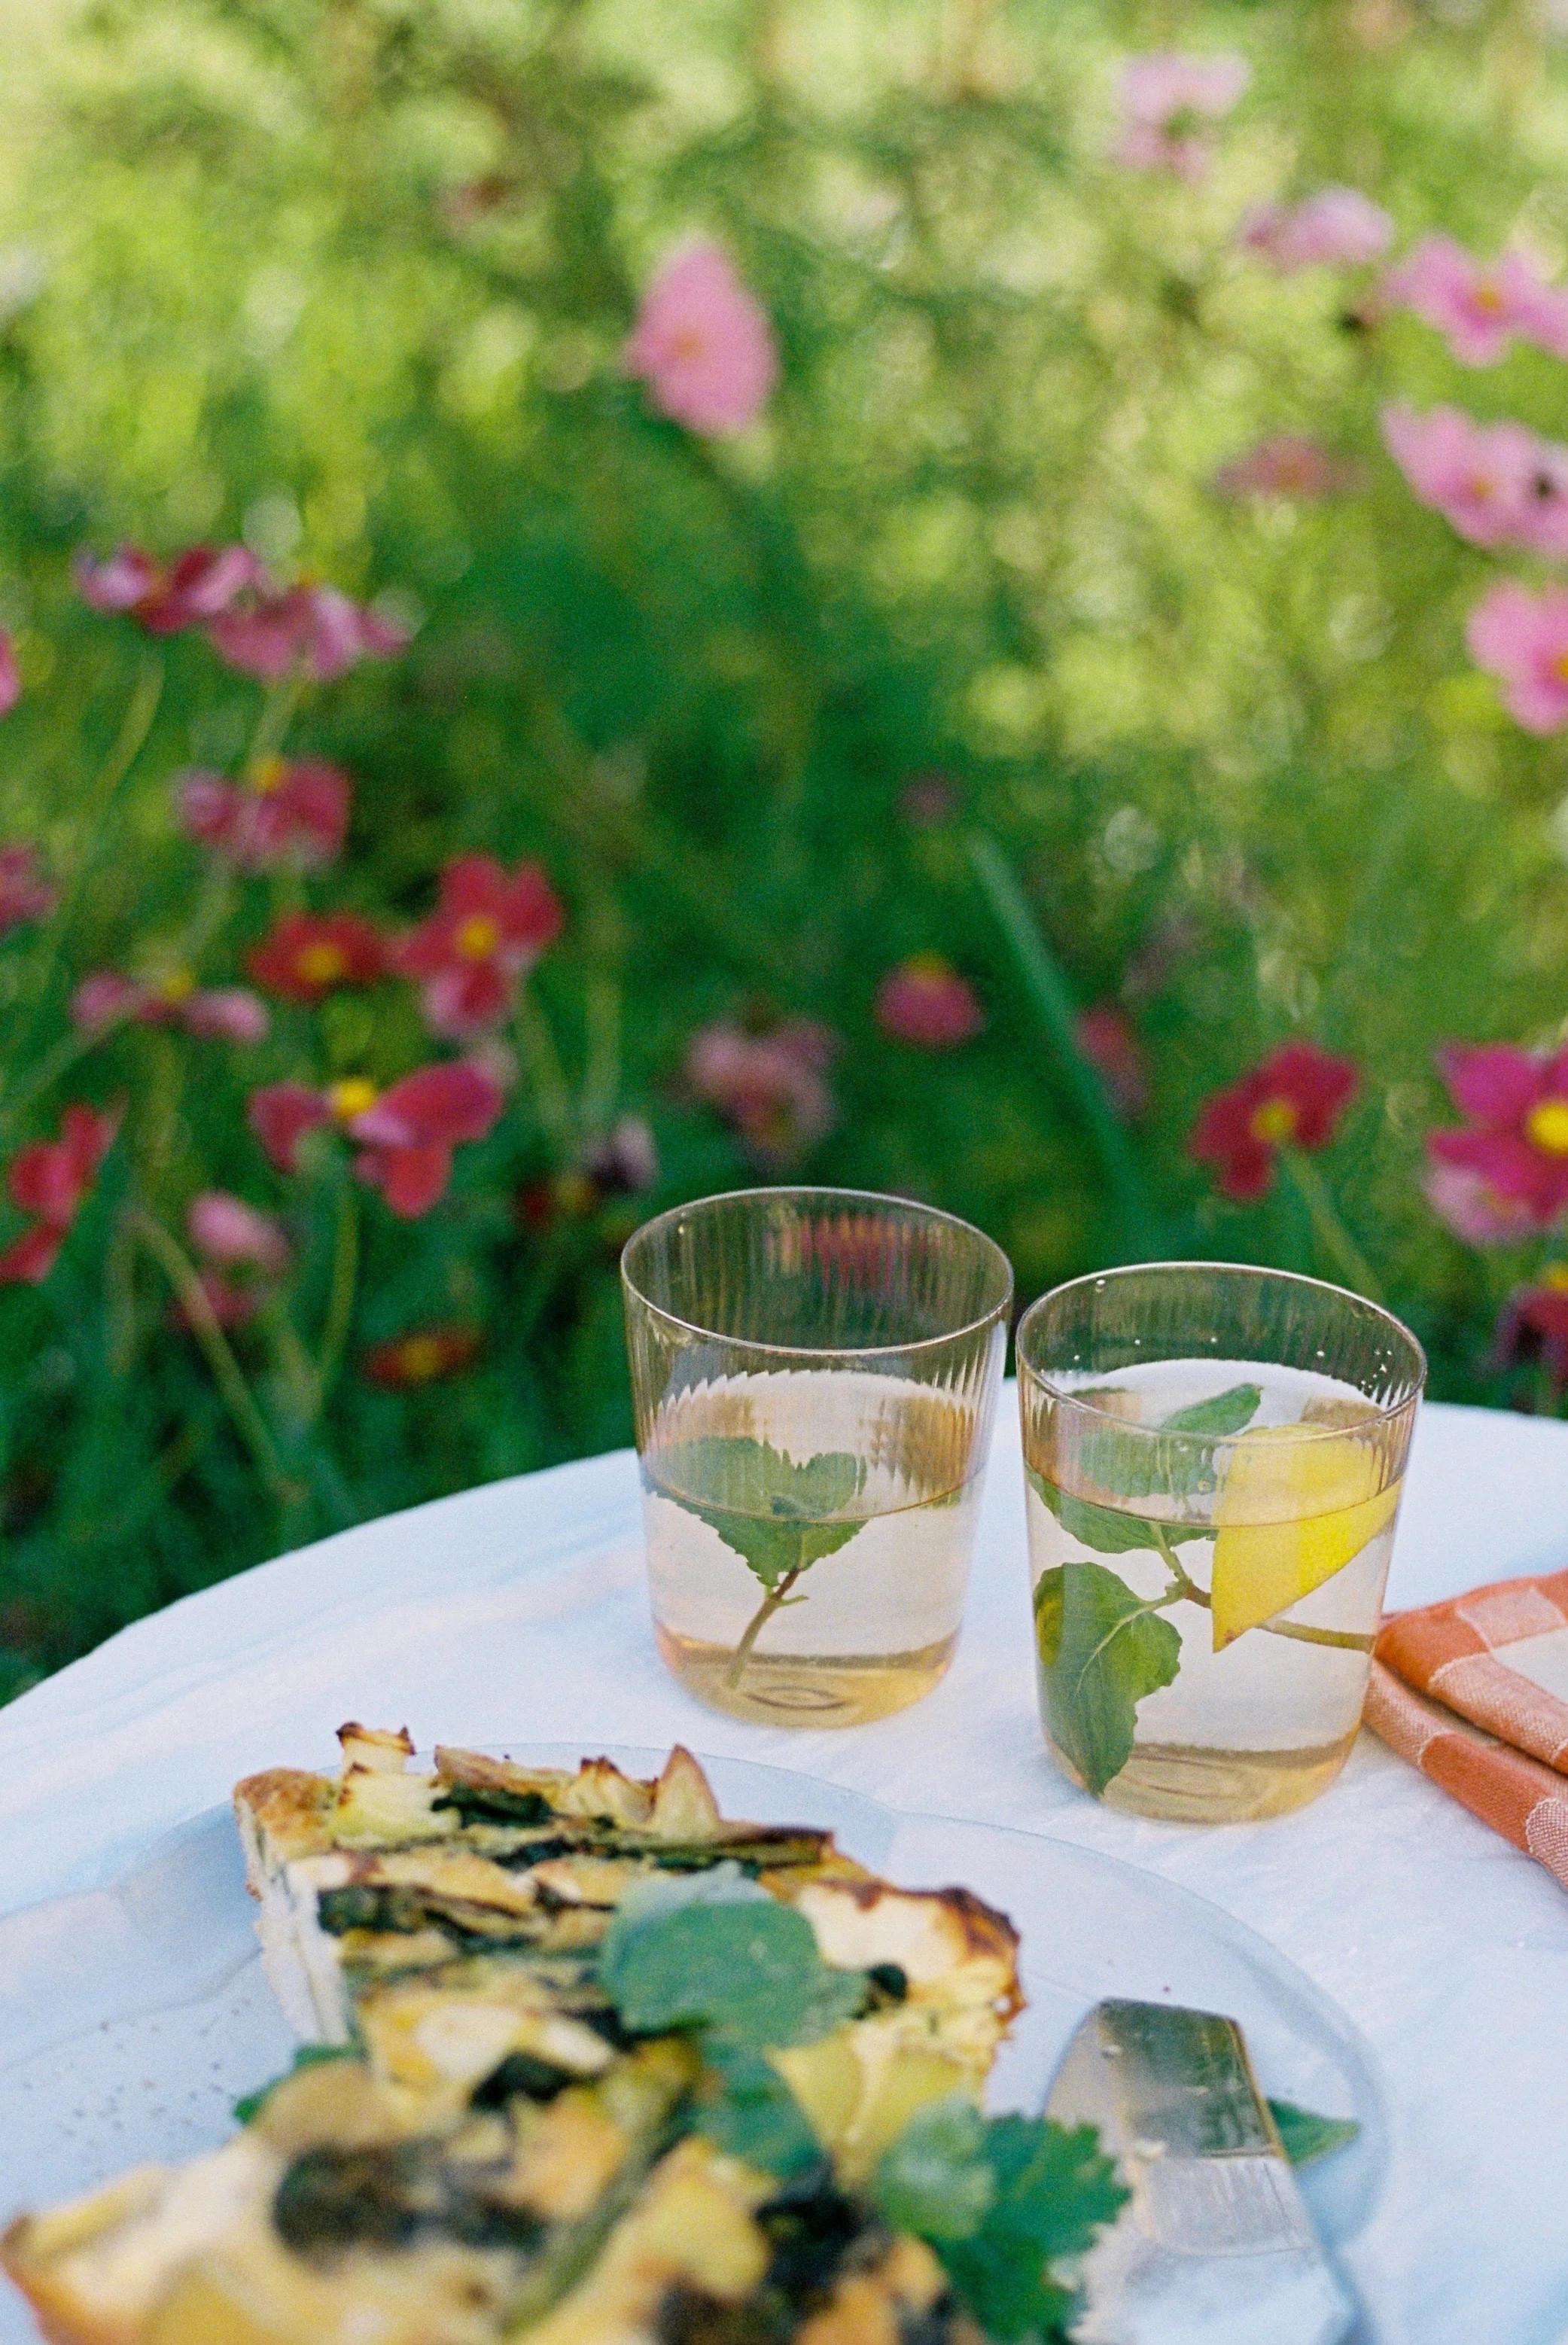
(1474, 1693)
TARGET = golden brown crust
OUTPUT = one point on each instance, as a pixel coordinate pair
(290, 1808)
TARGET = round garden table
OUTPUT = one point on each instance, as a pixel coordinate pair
(517, 1612)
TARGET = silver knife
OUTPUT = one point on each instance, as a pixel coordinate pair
(1215, 2245)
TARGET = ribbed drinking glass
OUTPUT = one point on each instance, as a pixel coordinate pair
(814, 1373)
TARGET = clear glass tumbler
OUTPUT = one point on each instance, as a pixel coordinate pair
(1213, 1457)
(813, 1374)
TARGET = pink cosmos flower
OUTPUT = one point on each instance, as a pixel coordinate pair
(1466, 1203)
(925, 1001)
(229, 1013)
(49, 1180)
(1480, 308)
(24, 895)
(1110, 1042)
(1338, 227)
(1479, 476)
(272, 629)
(10, 675)
(1293, 1099)
(487, 930)
(226, 1230)
(1522, 639)
(287, 811)
(770, 1088)
(1287, 464)
(1515, 1139)
(703, 343)
(405, 1134)
(195, 588)
(1168, 99)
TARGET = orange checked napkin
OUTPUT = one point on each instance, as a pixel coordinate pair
(1474, 1693)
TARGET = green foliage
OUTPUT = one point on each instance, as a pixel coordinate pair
(1304, 2135)
(353, 283)
(745, 2107)
(1102, 1650)
(715, 1952)
(769, 1509)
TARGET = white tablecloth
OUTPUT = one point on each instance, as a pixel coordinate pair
(517, 1611)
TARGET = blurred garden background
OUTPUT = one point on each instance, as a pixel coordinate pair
(603, 600)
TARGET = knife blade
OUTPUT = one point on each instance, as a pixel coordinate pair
(1215, 2245)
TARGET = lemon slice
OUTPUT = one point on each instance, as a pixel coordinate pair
(1295, 1507)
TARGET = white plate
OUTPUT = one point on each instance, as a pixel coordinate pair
(131, 2018)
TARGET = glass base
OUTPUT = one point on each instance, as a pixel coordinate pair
(804, 1689)
(1188, 1784)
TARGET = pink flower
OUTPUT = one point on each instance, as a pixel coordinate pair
(305, 956)
(1169, 98)
(223, 1013)
(1480, 308)
(274, 629)
(286, 811)
(487, 929)
(1109, 1041)
(10, 675)
(1516, 1140)
(229, 1231)
(769, 1087)
(703, 343)
(925, 1002)
(1293, 1099)
(24, 896)
(194, 589)
(1467, 1204)
(1286, 464)
(1522, 639)
(1338, 227)
(49, 1180)
(405, 1134)
(1479, 476)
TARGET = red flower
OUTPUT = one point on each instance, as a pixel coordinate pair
(1293, 1100)
(287, 810)
(10, 675)
(1517, 1138)
(274, 629)
(486, 930)
(770, 1087)
(305, 956)
(420, 1357)
(49, 1180)
(925, 1001)
(1109, 1041)
(229, 1013)
(1533, 1324)
(24, 896)
(194, 589)
(406, 1135)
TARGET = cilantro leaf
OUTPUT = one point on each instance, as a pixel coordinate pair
(1304, 2135)
(935, 2179)
(1102, 1650)
(776, 1513)
(745, 2107)
(307, 2055)
(677, 1955)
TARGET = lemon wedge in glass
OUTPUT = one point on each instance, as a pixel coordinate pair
(1296, 1505)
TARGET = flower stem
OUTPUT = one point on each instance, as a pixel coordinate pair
(339, 1296)
(1048, 990)
(1327, 1225)
(551, 1096)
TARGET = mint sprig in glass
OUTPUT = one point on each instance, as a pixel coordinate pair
(814, 1375)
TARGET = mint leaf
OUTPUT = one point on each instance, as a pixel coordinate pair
(743, 1965)
(935, 2180)
(1107, 1530)
(774, 1513)
(745, 2107)
(1221, 1414)
(1304, 2135)
(1134, 1462)
(1102, 1650)
(307, 2055)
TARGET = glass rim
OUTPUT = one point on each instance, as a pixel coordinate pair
(914, 1205)
(1059, 1393)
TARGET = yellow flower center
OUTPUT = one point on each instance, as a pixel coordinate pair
(1546, 1127)
(1487, 296)
(478, 937)
(266, 773)
(1274, 1122)
(321, 963)
(1555, 1276)
(1560, 667)
(177, 986)
(421, 1357)
(355, 1095)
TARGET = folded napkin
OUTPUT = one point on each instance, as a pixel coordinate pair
(1474, 1693)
